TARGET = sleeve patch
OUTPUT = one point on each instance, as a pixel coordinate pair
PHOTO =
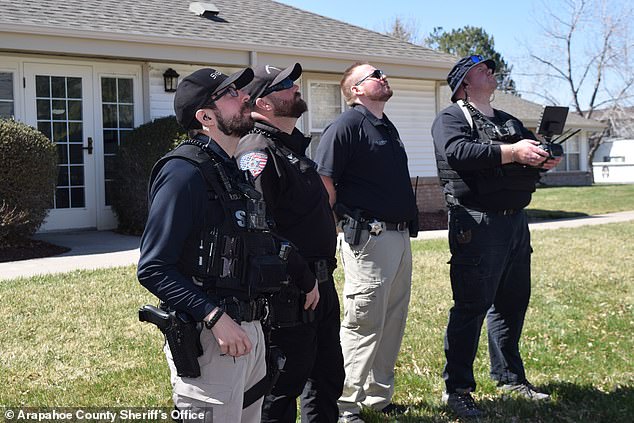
(254, 162)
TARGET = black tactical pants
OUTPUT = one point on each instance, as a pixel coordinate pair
(314, 365)
(490, 276)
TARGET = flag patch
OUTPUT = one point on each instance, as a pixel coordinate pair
(254, 162)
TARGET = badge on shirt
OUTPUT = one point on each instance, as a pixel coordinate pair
(254, 162)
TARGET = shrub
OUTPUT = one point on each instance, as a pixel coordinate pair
(133, 163)
(28, 172)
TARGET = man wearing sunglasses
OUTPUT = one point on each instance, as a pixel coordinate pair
(363, 164)
(197, 212)
(488, 163)
(274, 153)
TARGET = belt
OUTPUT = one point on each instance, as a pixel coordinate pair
(243, 311)
(376, 227)
(454, 202)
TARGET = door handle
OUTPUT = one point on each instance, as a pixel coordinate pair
(89, 148)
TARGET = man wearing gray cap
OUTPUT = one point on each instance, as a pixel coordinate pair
(206, 257)
(308, 332)
(488, 164)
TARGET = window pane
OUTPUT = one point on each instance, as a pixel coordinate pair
(125, 90)
(59, 132)
(6, 86)
(74, 87)
(43, 109)
(74, 110)
(108, 90)
(110, 141)
(126, 116)
(325, 104)
(76, 175)
(572, 145)
(45, 128)
(123, 135)
(108, 163)
(58, 87)
(62, 176)
(62, 200)
(75, 132)
(109, 116)
(42, 86)
(76, 153)
(573, 161)
(77, 197)
(6, 109)
(62, 154)
(59, 110)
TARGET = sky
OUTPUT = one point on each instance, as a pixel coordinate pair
(512, 23)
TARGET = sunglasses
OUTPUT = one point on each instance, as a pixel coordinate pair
(284, 84)
(376, 74)
(232, 91)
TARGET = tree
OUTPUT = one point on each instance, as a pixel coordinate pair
(404, 30)
(473, 40)
(586, 49)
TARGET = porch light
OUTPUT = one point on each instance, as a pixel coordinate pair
(170, 80)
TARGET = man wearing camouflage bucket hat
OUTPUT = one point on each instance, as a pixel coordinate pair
(488, 164)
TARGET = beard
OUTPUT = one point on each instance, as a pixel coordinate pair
(384, 94)
(294, 108)
(238, 125)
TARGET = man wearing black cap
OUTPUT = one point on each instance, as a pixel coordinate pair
(488, 164)
(195, 249)
(363, 164)
(274, 153)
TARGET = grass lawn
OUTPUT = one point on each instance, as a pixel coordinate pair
(74, 339)
(562, 202)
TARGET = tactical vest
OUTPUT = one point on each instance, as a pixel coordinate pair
(279, 151)
(239, 257)
(512, 176)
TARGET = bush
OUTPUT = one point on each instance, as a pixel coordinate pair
(28, 173)
(133, 164)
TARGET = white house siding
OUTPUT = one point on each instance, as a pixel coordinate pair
(614, 162)
(162, 103)
(412, 109)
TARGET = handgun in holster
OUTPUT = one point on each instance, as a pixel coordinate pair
(182, 335)
(353, 223)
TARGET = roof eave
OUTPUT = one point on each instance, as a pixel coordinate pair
(222, 45)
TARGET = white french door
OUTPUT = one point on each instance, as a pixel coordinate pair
(59, 103)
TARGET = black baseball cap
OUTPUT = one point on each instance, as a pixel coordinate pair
(266, 76)
(460, 70)
(196, 89)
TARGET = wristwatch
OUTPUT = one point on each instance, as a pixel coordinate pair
(214, 319)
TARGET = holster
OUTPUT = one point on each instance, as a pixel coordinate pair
(286, 308)
(183, 338)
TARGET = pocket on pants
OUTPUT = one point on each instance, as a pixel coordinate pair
(359, 302)
(199, 399)
(467, 278)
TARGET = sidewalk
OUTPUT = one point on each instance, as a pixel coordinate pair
(101, 249)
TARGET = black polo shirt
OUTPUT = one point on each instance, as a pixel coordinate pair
(366, 159)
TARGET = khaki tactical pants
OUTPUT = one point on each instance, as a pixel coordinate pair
(219, 391)
(378, 276)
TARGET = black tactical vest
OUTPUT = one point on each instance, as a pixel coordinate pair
(512, 176)
(239, 257)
